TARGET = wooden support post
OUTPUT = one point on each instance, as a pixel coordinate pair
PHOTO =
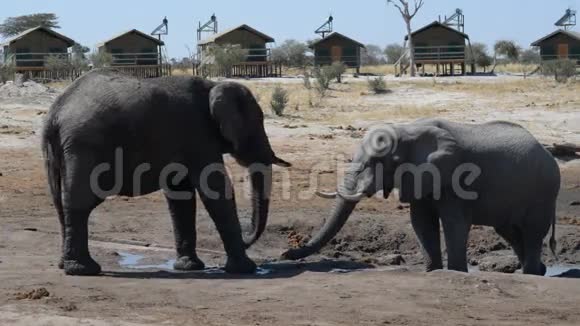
(463, 70)
(452, 69)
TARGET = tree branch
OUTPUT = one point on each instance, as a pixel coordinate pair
(418, 5)
(397, 6)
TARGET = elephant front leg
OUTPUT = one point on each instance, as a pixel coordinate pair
(181, 202)
(217, 195)
(456, 230)
(426, 225)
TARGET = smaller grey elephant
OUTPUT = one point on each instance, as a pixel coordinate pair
(494, 174)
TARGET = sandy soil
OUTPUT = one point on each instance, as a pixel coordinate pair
(369, 275)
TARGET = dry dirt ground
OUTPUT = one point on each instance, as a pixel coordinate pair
(370, 275)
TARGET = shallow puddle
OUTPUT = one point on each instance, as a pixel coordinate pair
(132, 261)
(563, 271)
(129, 260)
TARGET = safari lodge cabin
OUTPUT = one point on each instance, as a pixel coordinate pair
(440, 45)
(136, 53)
(337, 47)
(560, 44)
(257, 62)
(31, 50)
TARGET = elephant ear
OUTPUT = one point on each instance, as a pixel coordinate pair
(434, 155)
(227, 106)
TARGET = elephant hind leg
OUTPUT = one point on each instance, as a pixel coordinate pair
(79, 199)
(533, 255)
(513, 235)
(537, 225)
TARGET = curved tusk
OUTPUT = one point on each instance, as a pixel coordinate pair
(332, 195)
(327, 195)
(357, 197)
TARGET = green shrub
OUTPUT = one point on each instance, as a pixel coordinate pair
(323, 76)
(57, 63)
(101, 59)
(562, 69)
(279, 100)
(7, 70)
(306, 81)
(377, 85)
(222, 58)
(338, 69)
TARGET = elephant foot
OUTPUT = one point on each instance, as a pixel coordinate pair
(83, 267)
(543, 269)
(242, 265)
(188, 263)
(433, 267)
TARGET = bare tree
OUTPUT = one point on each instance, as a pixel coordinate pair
(408, 14)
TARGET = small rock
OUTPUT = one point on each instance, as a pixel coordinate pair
(34, 294)
(575, 203)
(31, 229)
(390, 260)
(496, 263)
(69, 307)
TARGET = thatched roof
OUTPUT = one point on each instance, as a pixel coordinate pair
(335, 35)
(573, 35)
(133, 31)
(23, 34)
(437, 24)
(216, 37)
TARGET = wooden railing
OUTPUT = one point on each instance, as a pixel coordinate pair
(258, 55)
(439, 53)
(245, 69)
(36, 59)
(252, 55)
(349, 61)
(135, 59)
(147, 71)
(551, 57)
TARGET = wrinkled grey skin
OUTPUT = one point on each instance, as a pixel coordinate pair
(161, 121)
(517, 189)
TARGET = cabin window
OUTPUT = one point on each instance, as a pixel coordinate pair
(24, 58)
(455, 51)
(420, 47)
(117, 58)
(349, 56)
(147, 59)
(323, 56)
(575, 50)
(256, 53)
(548, 52)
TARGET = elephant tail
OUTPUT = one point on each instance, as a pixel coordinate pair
(553, 243)
(52, 152)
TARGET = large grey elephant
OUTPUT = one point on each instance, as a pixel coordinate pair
(494, 174)
(132, 137)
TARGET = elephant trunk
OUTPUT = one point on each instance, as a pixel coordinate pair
(342, 210)
(261, 178)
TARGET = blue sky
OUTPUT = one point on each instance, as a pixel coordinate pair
(369, 21)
